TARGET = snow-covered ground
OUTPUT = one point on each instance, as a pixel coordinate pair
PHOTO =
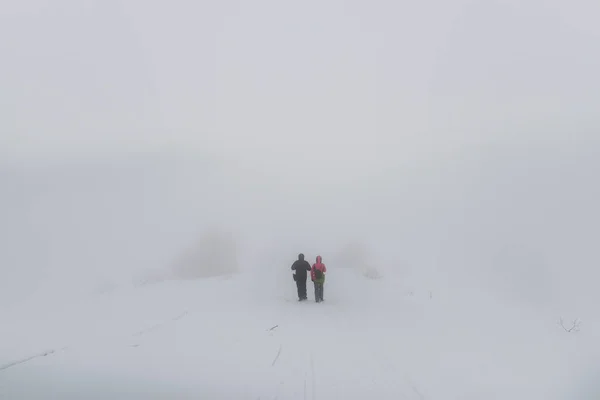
(244, 336)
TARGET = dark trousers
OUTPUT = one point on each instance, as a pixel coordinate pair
(301, 285)
(318, 292)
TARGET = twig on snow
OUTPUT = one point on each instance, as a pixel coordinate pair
(24, 360)
(574, 326)
(276, 357)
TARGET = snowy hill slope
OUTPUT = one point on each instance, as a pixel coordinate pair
(243, 337)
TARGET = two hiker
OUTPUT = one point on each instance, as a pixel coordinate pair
(317, 275)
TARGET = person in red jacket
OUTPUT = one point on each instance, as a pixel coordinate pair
(317, 274)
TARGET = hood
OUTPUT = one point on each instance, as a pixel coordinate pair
(319, 259)
(301, 257)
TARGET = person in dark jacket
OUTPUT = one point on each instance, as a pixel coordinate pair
(301, 266)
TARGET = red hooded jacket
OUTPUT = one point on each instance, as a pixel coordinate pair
(318, 265)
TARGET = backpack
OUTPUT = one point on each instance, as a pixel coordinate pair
(318, 273)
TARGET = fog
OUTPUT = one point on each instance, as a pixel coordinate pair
(519, 221)
(452, 143)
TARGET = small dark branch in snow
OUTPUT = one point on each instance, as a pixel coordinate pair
(180, 316)
(159, 325)
(273, 328)
(150, 329)
(304, 385)
(276, 357)
(414, 387)
(312, 368)
(416, 390)
(24, 360)
(574, 325)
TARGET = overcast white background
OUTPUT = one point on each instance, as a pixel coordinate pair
(354, 85)
(456, 140)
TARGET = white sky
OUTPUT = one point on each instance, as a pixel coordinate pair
(343, 84)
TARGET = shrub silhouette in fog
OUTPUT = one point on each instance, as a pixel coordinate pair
(355, 255)
(214, 254)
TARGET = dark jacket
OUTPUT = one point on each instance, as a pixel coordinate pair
(301, 266)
